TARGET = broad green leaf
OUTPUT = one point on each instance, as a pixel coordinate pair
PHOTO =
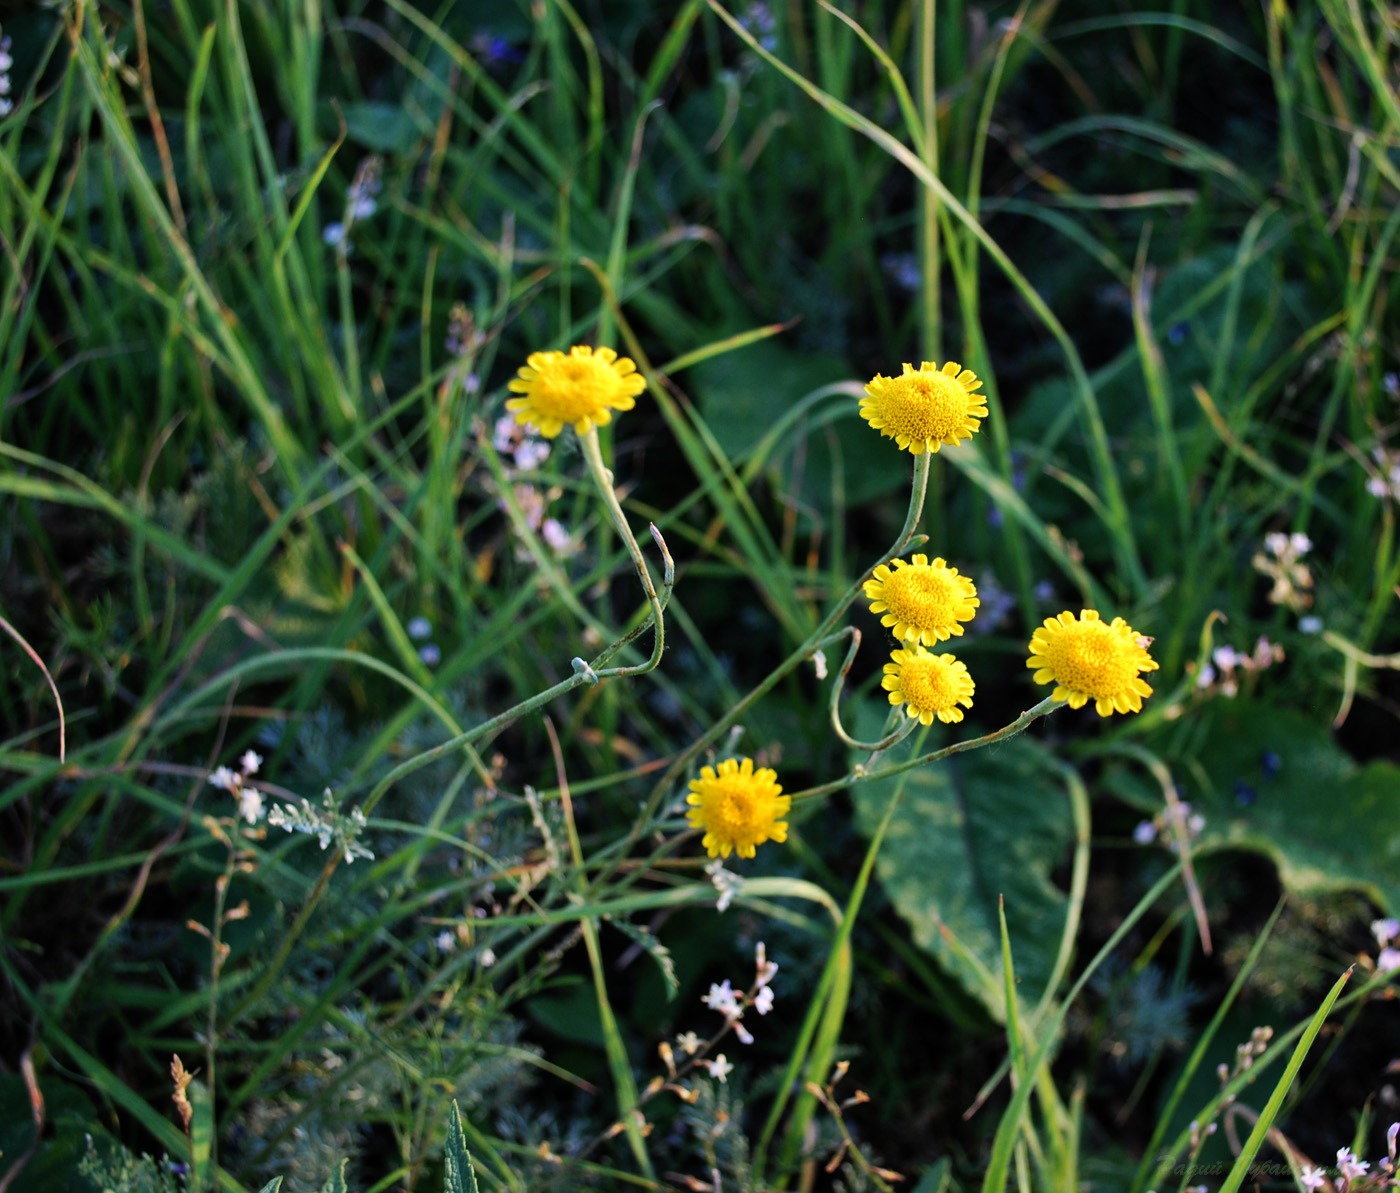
(460, 1177)
(1275, 782)
(978, 826)
(741, 394)
(382, 128)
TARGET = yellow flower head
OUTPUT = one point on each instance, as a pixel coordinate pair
(583, 387)
(922, 602)
(925, 407)
(928, 685)
(1088, 658)
(738, 807)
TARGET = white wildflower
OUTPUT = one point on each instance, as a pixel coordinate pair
(225, 779)
(250, 804)
(764, 970)
(722, 998)
(725, 883)
(719, 1068)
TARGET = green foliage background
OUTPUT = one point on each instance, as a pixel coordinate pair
(244, 454)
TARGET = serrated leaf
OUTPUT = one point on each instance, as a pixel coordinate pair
(657, 951)
(978, 826)
(460, 1177)
(1275, 782)
(335, 1183)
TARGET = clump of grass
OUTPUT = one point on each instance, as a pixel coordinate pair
(442, 711)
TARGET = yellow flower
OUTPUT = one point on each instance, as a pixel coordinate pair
(583, 387)
(738, 807)
(921, 601)
(1091, 659)
(925, 407)
(928, 685)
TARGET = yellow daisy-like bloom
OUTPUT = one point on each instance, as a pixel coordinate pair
(928, 685)
(922, 602)
(1088, 658)
(582, 386)
(738, 807)
(925, 408)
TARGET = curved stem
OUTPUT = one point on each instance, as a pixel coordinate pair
(859, 774)
(604, 478)
(922, 466)
(584, 672)
(900, 732)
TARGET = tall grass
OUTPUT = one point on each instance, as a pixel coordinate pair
(269, 268)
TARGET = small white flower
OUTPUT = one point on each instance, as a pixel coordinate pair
(334, 234)
(1385, 930)
(487, 958)
(1351, 1167)
(720, 1067)
(1311, 624)
(722, 998)
(420, 628)
(1389, 960)
(531, 453)
(250, 763)
(745, 1036)
(445, 941)
(1276, 543)
(1312, 1178)
(688, 1042)
(553, 532)
(430, 654)
(1145, 832)
(763, 1000)
(1205, 676)
(1227, 658)
(504, 433)
(225, 779)
(726, 884)
(1300, 543)
(819, 663)
(764, 970)
(250, 804)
